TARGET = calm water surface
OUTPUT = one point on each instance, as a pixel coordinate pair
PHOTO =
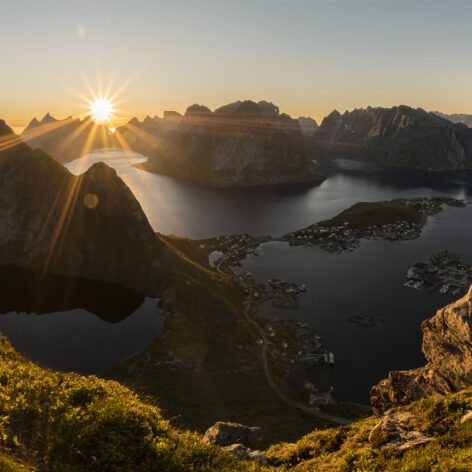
(90, 333)
(174, 207)
(74, 324)
(368, 281)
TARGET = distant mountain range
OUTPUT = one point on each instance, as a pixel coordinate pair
(242, 143)
(248, 143)
(398, 136)
(456, 117)
(67, 139)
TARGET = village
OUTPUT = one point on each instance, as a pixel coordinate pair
(344, 238)
(444, 273)
(336, 235)
(294, 348)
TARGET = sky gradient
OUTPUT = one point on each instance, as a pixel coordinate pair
(307, 56)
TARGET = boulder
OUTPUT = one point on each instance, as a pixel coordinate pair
(227, 434)
(244, 453)
(397, 430)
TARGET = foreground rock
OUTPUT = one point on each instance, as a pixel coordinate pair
(245, 454)
(227, 434)
(397, 429)
(447, 341)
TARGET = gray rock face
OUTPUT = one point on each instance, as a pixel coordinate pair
(447, 346)
(244, 143)
(307, 125)
(397, 430)
(245, 454)
(398, 136)
(228, 434)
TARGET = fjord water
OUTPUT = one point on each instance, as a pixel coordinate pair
(368, 281)
(74, 324)
(174, 207)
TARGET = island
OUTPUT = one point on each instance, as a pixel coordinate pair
(443, 273)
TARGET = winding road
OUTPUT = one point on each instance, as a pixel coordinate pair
(310, 410)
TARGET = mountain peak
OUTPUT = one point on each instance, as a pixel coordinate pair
(196, 109)
(134, 121)
(5, 129)
(47, 118)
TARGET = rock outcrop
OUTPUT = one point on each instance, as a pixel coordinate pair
(243, 143)
(397, 429)
(227, 434)
(89, 225)
(245, 454)
(237, 439)
(398, 136)
(447, 346)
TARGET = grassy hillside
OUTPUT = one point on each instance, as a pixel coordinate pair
(364, 214)
(65, 422)
(52, 421)
(348, 449)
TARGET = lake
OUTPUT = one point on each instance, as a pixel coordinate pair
(78, 334)
(73, 324)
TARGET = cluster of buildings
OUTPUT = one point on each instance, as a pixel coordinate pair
(284, 293)
(344, 238)
(431, 205)
(226, 251)
(444, 273)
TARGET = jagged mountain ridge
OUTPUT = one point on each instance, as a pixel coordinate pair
(243, 143)
(398, 136)
(67, 139)
(447, 346)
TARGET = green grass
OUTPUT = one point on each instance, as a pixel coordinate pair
(51, 421)
(347, 449)
(364, 214)
(65, 422)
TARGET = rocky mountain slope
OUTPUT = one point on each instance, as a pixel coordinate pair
(89, 225)
(243, 143)
(398, 136)
(434, 434)
(67, 139)
(447, 346)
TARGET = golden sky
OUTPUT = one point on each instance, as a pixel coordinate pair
(307, 56)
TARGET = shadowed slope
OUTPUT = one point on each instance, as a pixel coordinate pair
(398, 136)
(89, 225)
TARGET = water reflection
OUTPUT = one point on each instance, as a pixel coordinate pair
(73, 324)
(32, 292)
(175, 207)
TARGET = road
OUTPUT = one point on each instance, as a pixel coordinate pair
(310, 410)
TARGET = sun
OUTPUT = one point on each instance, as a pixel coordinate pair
(102, 110)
